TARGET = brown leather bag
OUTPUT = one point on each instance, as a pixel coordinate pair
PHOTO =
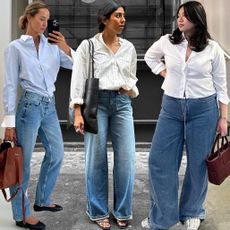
(218, 162)
(11, 170)
(11, 165)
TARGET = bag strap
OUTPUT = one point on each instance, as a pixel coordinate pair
(91, 52)
(12, 197)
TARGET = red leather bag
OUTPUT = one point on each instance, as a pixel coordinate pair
(218, 162)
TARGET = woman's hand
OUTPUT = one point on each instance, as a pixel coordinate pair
(10, 134)
(78, 120)
(127, 92)
(163, 73)
(222, 126)
(60, 41)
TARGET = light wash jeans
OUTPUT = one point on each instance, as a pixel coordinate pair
(182, 122)
(115, 118)
(36, 116)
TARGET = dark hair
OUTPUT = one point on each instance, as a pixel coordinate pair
(31, 10)
(195, 13)
(106, 10)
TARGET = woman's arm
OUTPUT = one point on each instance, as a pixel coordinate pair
(222, 126)
(60, 41)
(10, 91)
(220, 84)
(10, 87)
(133, 92)
(153, 56)
(79, 74)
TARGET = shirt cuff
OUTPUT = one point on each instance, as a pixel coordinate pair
(78, 101)
(72, 54)
(8, 121)
(158, 69)
(223, 99)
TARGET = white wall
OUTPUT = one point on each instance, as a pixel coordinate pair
(218, 20)
(218, 24)
(5, 15)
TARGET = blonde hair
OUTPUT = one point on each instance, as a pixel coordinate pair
(31, 10)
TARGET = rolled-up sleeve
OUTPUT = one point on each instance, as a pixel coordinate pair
(133, 71)
(219, 75)
(79, 74)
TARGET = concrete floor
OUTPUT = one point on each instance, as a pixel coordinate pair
(70, 193)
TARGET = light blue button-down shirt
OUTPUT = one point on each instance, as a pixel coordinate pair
(34, 71)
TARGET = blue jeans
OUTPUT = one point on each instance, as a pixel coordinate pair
(182, 122)
(115, 118)
(36, 116)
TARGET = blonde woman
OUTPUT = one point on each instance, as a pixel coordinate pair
(33, 64)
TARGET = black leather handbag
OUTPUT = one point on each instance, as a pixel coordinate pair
(89, 108)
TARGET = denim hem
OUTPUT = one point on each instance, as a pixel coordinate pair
(43, 204)
(201, 217)
(94, 218)
(20, 218)
(159, 227)
(130, 217)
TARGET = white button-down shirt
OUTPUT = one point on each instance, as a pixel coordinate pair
(203, 74)
(114, 71)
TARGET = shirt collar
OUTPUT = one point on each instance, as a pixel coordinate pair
(100, 38)
(26, 37)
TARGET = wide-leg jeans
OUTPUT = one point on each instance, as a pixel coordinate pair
(36, 116)
(115, 118)
(182, 122)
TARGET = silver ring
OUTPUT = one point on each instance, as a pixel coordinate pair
(77, 130)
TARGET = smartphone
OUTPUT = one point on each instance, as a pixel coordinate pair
(53, 24)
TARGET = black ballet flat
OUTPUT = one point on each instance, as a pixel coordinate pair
(38, 226)
(56, 208)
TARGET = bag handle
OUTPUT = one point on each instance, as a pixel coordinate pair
(91, 51)
(224, 139)
(12, 143)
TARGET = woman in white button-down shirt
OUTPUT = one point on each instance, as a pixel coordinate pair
(194, 108)
(115, 66)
